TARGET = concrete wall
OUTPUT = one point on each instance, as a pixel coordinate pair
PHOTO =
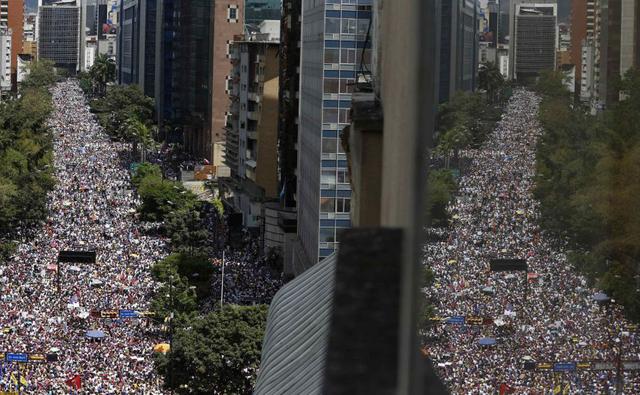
(267, 155)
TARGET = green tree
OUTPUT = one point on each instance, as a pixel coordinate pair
(440, 188)
(160, 197)
(197, 271)
(146, 170)
(491, 80)
(140, 135)
(41, 74)
(102, 72)
(216, 353)
(188, 232)
(120, 104)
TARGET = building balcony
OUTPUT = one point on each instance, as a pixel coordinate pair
(253, 135)
(253, 96)
(253, 115)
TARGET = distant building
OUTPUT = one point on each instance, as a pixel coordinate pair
(252, 123)
(459, 50)
(12, 17)
(335, 51)
(534, 42)
(289, 101)
(192, 47)
(59, 38)
(257, 11)
(5, 59)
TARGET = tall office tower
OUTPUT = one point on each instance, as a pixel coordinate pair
(252, 123)
(580, 24)
(256, 11)
(59, 38)
(504, 21)
(192, 63)
(493, 11)
(458, 47)
(12, 17)
(137, 43)
(289, 100)
(5, 58)
(534, 42)
(334, 37)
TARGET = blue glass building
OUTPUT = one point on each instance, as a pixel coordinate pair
(334, 37)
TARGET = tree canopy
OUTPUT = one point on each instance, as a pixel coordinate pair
(588, 181)
(26, 159)
(217, 353)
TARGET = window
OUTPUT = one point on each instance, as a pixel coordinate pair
(343, 205)
(329, 146)
(333, 26)
(328, 205)
(331, 85)
(363, 27)
(348, 55)
(349, 26)
(332, 56)
(344, 115)
(343, 177)
(340, 147)
(346, 85)
(328, 177)
(232, 13)
(327, 235)
(330, 115)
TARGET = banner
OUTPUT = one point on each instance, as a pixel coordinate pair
(564, 366)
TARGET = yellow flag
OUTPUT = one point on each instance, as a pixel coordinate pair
(557, 389)
(567, 389)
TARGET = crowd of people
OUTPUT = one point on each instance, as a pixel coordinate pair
(46, 305)
(547, 314)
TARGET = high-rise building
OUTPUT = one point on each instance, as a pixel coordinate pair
(59, 37)
(504, 22)
(252, 122)
(5, 58)
(257, 11)
(12, 17)
(137, 43)
(459, 52)
(192, 63)
(289, 100)
(534, 39)
(335, 42)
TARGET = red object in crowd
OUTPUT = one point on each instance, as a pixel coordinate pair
(505, 389)
(75, 382)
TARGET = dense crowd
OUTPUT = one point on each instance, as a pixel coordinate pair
(547, 315)
(91, 208)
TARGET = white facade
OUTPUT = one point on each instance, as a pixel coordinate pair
(89, 56)
(503, 61)
(5, 59)
(272, 28)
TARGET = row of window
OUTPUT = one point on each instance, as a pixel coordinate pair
(338, 85)
(335, 205)
(346, 26)
(331, 146)
(339, 176)
(347, 56)
(336, 115)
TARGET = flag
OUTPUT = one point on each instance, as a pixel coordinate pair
(75, 382)
(505, 389)
(557, 390)
(567, 389)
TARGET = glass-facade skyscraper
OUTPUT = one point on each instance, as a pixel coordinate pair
(334, 36)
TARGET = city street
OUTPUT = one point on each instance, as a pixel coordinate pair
(535, 330)
(91, 208)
